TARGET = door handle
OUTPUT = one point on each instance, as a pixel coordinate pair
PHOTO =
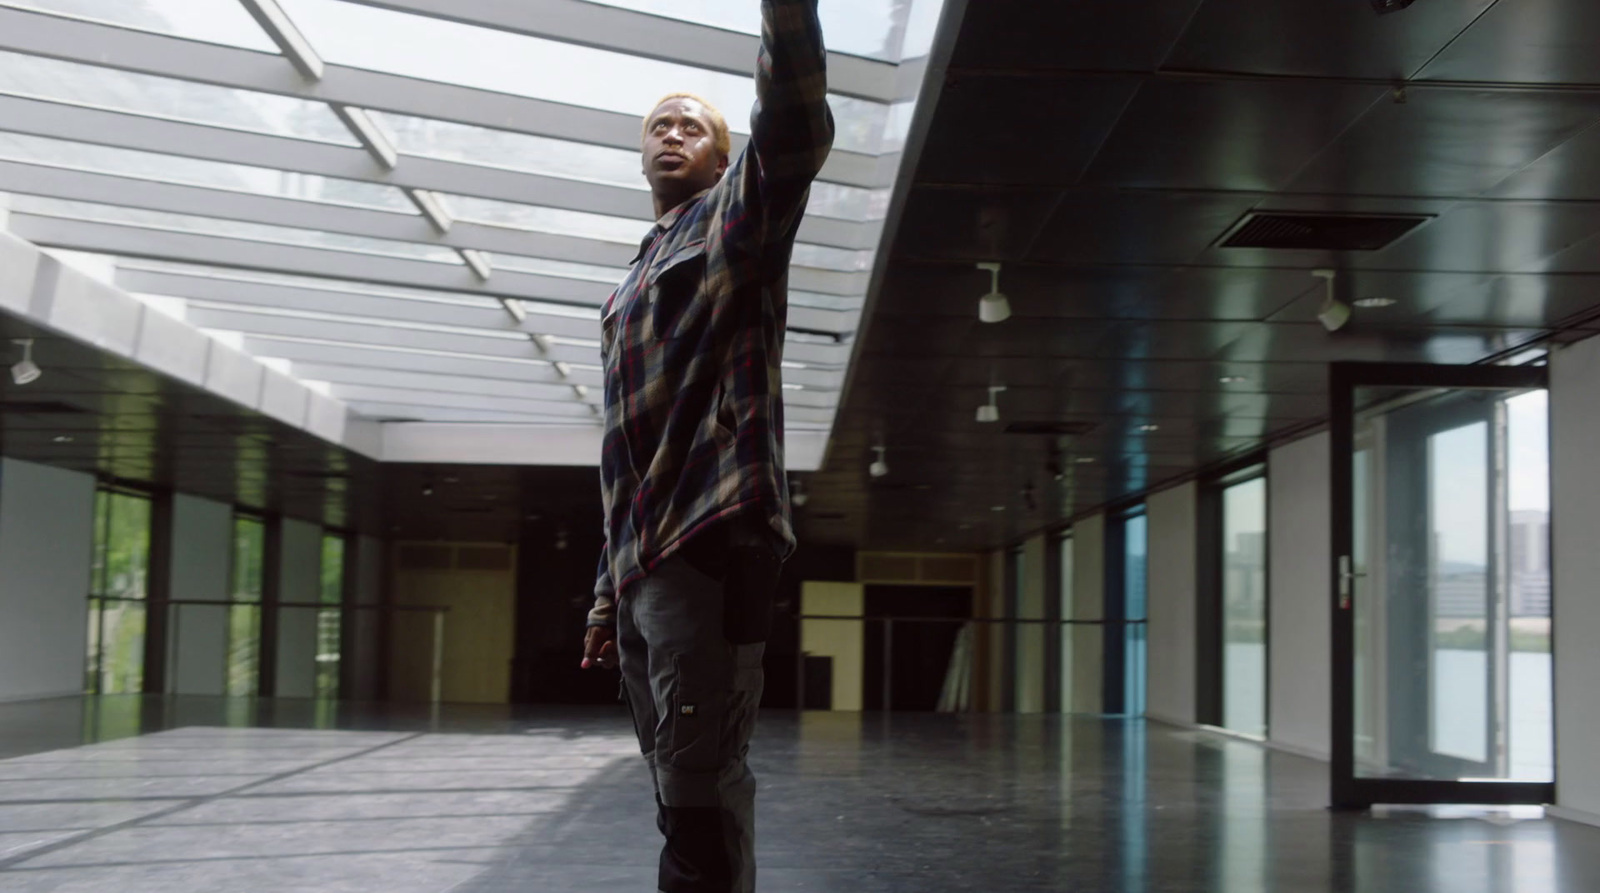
(1347, 581)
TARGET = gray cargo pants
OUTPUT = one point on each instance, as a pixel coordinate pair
(694, 696)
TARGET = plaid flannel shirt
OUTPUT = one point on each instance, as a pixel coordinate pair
(693, 338)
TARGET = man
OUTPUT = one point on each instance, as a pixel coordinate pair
(692, 473)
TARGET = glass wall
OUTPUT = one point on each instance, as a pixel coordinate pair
(1244, 607)
(117, 609)
(1135, 570)
(244, 615)
(328, 618)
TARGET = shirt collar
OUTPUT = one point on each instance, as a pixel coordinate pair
(667, 222)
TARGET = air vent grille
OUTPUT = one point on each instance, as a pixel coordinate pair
(1053, 429)
(1323, 232)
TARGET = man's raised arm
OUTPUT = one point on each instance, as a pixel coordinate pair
(791, 128)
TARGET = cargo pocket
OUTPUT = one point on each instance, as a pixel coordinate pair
(697, 710)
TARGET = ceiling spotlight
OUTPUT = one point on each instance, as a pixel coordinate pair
(27, 371)
(1335, 314)
(798, 497)
(998, 508)
(1233, 379)
(561, 538)
(427, 489)
(879, 468)
(994, 306)
(989, 413)
(1149, 429)
(1084, 460)
(1376, 303)
(63, 438)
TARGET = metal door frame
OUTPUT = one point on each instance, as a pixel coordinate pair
(1349, 791)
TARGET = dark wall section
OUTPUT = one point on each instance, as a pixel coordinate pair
(555, 590)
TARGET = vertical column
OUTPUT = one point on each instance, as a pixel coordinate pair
(1575, 516)
(271, 595)
(300, 585)
(158, 651)
(1088, 596)
(1053, 694)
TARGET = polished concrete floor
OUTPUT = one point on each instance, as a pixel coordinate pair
(180, 795)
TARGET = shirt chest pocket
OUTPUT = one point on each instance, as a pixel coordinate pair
(673, 282)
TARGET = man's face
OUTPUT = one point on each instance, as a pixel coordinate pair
(680, 149)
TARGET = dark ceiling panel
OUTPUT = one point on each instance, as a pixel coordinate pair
(1571, 171)
(1042, 131)
(1526, 41)
(1415, 295)
(1238, 135)
(1316, 38)
(1014, 34)
(1109, 227)
(1497, 237)
(1095, 293)
(984, 224)
(1448, 142)
(1526, 302)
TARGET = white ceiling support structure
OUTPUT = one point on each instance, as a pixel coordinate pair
(223, 251)
(642, 34)
(121, 130)
(404, 208)
(50, 293)
(270, 16)
(170, 57)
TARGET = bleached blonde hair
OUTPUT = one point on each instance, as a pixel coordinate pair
(719, 125)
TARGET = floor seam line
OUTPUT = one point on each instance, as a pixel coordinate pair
(190, 803)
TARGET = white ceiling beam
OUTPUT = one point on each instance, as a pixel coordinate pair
(290, 297)
(130, 50)
(393, 359)
(153, 195)
(422, 381)
(433, 209)
(219, 251)
(566, 406)
(641, 34)
(252, 321)
(273, 20)
(127, 131)
(369, 135)
(410, 411)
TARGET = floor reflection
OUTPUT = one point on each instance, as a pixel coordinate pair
(181, 795)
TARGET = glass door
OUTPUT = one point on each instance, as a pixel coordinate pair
(1441, 616)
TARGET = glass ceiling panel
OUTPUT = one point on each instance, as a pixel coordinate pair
(542, 267)
(213, 21)
(623, 230)
(484, 58)
(859, 27)
(825, 302)
(428, 138)
(847, 202)
(212, 226)
(318, 283)
(823, 258)
(195, 172)
(143, 94)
